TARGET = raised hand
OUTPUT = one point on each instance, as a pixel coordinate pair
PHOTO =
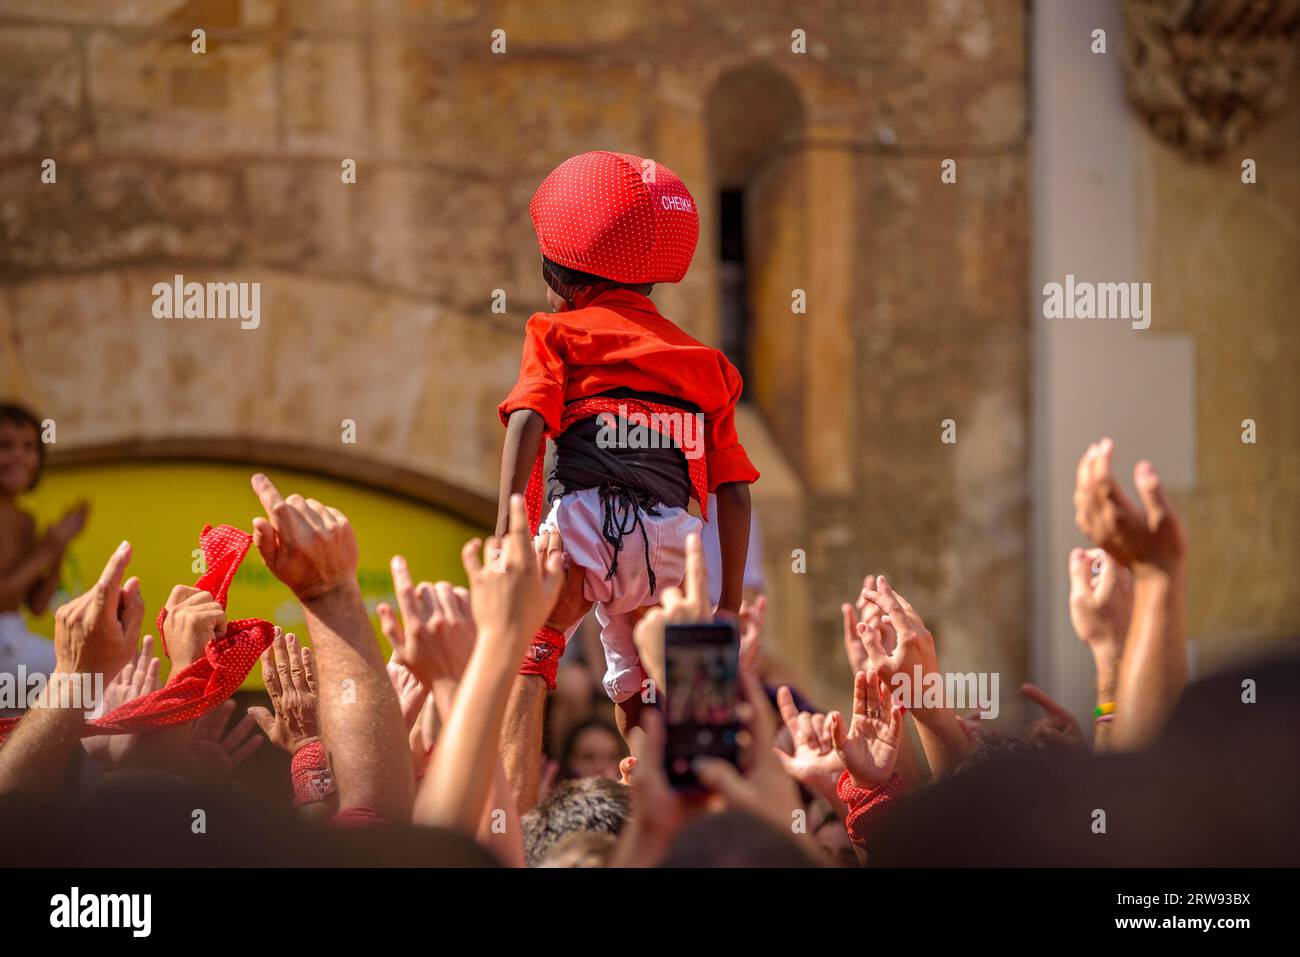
(913, 643)
(815, 763)
(138, 678)
(511, 592)
(869, 745)
(289, 673)
(1058, 729)
(572, 603)
(69, 526)
(308, 546)
(98, 632)
(193, 619)
(214, 752)
(1101, 601)
(311, 548)
(684, 605)
(411, 693)
(864, 612)
(854, 648)
(1152, 543)
(435, 636)
(690, 601)
(1152, 535)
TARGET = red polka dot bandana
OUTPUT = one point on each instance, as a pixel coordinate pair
(226, 662)
(616, 216)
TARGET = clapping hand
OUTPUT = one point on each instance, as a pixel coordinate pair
(1148, 536)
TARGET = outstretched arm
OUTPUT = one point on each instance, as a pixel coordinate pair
(1101, 608)
(1154, 668)
(521, 738)
(521, 731)
(1151, 542)
(911, 767)
(95, 634)
(311, 548)
(511, 594)
(946, 745)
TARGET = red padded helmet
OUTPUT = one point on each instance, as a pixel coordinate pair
(617, 216)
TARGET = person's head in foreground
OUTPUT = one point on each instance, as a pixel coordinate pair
(580, 806)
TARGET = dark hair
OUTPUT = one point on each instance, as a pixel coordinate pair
(991, 746)
(572, 277)
(736, 839)
(20, 415)
(152, 819)
(581, 728)
(566, 282)
(582, 849)
(584, 804)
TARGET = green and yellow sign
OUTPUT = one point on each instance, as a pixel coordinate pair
(160, 508)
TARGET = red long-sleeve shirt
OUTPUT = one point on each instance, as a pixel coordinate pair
(617, 339)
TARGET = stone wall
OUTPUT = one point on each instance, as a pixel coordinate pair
(376, 296)
(1231, 287)
(1116, 200)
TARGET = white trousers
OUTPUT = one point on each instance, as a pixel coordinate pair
(579, 518)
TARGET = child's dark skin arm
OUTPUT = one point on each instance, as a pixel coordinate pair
(22, 581)
(39, 595)
(524, 434)
(733, 539)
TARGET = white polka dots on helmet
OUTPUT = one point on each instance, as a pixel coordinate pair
(618, 216)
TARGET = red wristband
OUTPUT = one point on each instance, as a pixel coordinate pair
(866, 804)
(310, 774)
(544, 653)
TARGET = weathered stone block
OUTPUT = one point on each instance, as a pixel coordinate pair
(501, 115)
(152, 95)
(40, 92)
(324, 99)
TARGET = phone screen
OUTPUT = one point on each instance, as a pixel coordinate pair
(702, 665)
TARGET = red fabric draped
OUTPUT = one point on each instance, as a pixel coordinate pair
(226, 662)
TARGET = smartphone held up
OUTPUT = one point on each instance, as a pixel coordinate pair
(702, 663)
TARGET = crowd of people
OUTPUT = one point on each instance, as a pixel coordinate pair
(436, 756)
(442, 753)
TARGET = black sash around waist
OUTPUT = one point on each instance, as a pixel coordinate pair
(631, 480)
(656, 476)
